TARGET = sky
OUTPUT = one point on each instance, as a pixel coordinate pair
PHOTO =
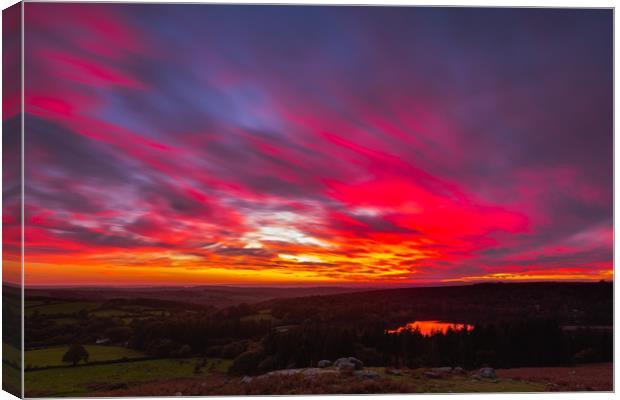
(273, 145)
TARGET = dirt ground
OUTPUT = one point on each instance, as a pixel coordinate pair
(585, 377)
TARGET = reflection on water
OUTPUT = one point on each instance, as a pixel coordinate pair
(427, 328)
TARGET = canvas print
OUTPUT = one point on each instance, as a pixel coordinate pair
(206, 199)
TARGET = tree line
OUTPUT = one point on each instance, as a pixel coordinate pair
(507, 332)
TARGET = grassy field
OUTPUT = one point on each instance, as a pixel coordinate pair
(66, 321)
(63, 308)
(596, 376)
(11, 354)
(52, 356)
(34, 303)
(11, 379)
(328, 382)
(69, 308)
(262, 315)
(11, 376)
(466, 385)
(73, 381)
(111, 313)
(459, 383)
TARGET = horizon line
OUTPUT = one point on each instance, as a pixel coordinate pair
(300, 286)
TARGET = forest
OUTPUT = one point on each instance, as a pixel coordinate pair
(514, 325)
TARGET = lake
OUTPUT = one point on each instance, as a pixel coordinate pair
(427, 328)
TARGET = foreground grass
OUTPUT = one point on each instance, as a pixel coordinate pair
(466, 385)
(332, 383)
(462, 383)
(52, 356)
(11, 379)
(111, 313)
(585, 377)
(409, 383)
(73, 381)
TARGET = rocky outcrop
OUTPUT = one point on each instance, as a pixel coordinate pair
(391, 371)
(300, 371)
(348, 364)
(488, 373)
(485, 373)
(433, 374)
(443, 372)
(367, 374)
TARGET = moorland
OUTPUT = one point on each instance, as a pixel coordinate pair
(226, 340)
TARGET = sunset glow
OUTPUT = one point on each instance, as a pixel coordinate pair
(289, 145)
(429, 327)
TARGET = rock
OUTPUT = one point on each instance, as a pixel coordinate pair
(313, 371)
(346, 366)
(178, 394)
(299, 371)
(487, 372)
(357, 362)
(324, 364)
(339, 360)
(346, 362)
(246, 379)
(289, 372)
(391, 371)
(458, 370)
(433, 374)
(366, 374)
(441, 372)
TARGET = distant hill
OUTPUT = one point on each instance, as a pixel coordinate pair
(568, 303)
(217, 296)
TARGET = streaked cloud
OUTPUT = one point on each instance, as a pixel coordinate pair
(178, 144)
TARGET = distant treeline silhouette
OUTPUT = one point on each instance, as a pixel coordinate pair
(509, 344)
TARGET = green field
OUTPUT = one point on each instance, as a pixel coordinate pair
(74, 381)
(64, 308)
(11, 374)
(11, 354)
(66, 321)
(34, 303)
(11, 379)
(52, 356)
(262, 315)
(110, 313)
(128, 313)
